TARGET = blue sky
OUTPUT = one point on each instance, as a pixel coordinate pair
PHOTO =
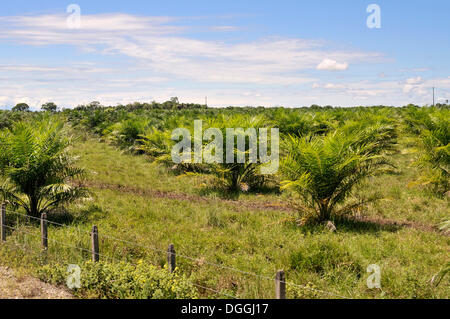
(290, 53)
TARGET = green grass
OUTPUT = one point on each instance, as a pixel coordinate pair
(245, 236)
(110, 166)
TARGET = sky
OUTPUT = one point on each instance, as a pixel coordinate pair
(256, 53)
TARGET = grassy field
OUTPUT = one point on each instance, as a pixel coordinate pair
(146, 205)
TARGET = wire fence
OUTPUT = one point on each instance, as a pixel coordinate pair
(93, 250)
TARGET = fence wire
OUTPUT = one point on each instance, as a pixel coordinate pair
(194, 259)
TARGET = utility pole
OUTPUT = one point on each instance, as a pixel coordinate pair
(206, 100)
(433, 95)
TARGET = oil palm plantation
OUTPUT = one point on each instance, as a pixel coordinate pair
(36, 169)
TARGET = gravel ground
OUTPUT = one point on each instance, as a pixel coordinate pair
(23, 287)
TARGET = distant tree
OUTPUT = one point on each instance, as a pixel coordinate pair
(442, 105)
(21, 107)
(173, 103)
(95, 104)
(49, 107)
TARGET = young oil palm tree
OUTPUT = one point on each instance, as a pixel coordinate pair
(324, 170)
(244, 175)
(436, 280)
(157, 144)
(36, 168)
(435, 152)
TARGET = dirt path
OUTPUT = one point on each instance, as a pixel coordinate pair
(18, 287)
(249, 205)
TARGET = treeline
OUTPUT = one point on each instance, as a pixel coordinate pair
(172, 104)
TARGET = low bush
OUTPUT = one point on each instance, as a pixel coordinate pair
(122, 281)
(325, 170)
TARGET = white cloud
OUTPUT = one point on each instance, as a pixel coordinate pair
(110, 93)
(415, 70)
(374, 92)
(407, 88)
(165, 50)
(224, 28)
(163, 60)
(333, 86)
(112, 22)
(329, 86)
(412, 81)
(331, 65)
(413, 85)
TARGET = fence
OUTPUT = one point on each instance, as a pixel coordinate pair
(279, 278)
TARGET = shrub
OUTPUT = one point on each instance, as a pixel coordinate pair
(236, 176)
(122, 281)
(324, 170)
(127, 132)
(36, 169)
(435, 152)
(157, 144)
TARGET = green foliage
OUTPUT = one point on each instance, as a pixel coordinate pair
(21, 107)
(436, 280)
(157, 144)
(7, 118)
(324, 170)
(247, 234)
(238, 176)
(325, 256)
(126, 133)
(49, 107)
(293, 122)
(307, 291)
(35, 167)
(434, 132)
(122, 281)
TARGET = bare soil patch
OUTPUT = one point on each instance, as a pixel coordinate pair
(25, 287)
